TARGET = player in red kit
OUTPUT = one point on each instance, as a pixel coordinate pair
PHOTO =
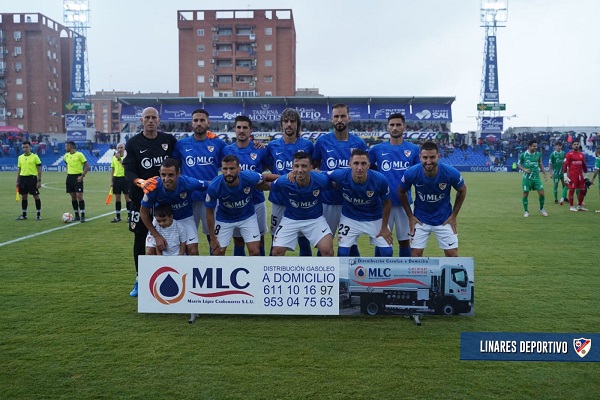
(573, 168)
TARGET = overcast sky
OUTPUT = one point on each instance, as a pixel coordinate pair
(548, 54)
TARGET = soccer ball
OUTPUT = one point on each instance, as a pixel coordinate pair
(67, 217)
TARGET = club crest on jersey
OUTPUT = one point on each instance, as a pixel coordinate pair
(210, 148)
(183, 195)
(316, 192)
(407, 153)
(253, 156)
(442, 186)
(165, 146)
(370, 193)
(582, 346)
(246, 190)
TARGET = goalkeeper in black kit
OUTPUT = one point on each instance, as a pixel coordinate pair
(146, 151)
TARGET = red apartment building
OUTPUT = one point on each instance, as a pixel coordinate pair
(236, 53)
(35, 71)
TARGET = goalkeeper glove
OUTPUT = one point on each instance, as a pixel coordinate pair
(588, 183)
(147, 185)
(566, 178)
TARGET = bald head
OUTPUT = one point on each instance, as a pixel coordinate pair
(150, 121)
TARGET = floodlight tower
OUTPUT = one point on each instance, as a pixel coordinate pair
(76, 15)
(493, 15)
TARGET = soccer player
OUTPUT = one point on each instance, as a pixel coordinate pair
(200, 156)
(555, 164)
(252, 159)
(232, 191)
(177, 191)
(332, 151)
(174, 233)
(29, 180)
(530, 162)
(596, 169)
(77, 168)
(366, 205)
(303, 208)
(281, 155)
(573, 168)
(433, 182)
(146, 151)
(118, 183)
(392, 159)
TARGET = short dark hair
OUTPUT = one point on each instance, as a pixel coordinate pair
(429, 145)
(200, 111)
(171, 162)
(532, 141)
(301, 154)
(558, 143)
(163, 210)
(230, 158)
(26, 142)
(396, 115)
(359, 152)
(243, 118)
(72, 143)
(340, 105)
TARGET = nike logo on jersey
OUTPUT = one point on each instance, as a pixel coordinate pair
(329, 151)
(451, 244)
(384, 154)
(143, 151)
(324, 230)
(254, 236)
(188, 150)
(278, 153)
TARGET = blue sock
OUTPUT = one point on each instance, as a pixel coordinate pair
(354, 251)
(304, 245)
(343, 251)
(385, 251)
(239, 251)
(404, 251)
(377, 252)
(262, 250)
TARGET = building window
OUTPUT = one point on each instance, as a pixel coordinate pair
(19, 111)
(243, 31)
(17, 50)
(268, 94)
(225, 78)
(201, 94)
(224, 31)
(268, 31)
(200, 78)
(243, 63)
(268, 47)
(18, 67)
(225, 63)
(200, 32)
(224, 47)
(200, 48)
(243, 47)
(17, 35)
(268, 79)
(200, 63)
(19, 96)
(19, 81)
(243, 78)
(268, 63)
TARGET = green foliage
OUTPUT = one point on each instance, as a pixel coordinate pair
(68, 328)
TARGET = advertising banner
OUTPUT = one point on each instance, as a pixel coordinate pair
(76, 135)
(358, 111)
(78, 71)
(491, 93)
(75, 121)
(383, 111)
(430, 113)
(312, 112)
(177, 112)
(264, 112)
(492, 125)
(306, 285)
(224, 112)
(132, 114)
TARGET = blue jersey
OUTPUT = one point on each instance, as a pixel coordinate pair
(302, 202)
(432, 198)
(392, 160)
(362, 201)
(200, 159)
(234, 202)
(251, 159)
(179, 199)
(334, 154)
(281, 160)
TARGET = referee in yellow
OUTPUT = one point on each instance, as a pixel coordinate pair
(29, 180)
(77, 168)
(118, 182)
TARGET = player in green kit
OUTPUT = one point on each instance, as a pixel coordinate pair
(530, 162)
(555, 164)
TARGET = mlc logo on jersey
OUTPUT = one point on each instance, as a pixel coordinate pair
(164, 288)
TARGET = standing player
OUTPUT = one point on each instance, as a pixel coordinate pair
(366, 207)
(251, 159)
(433, 212)
(118, 183)
(332, 151)
(574, 168)
(146, 151)
(530, 162)
(303, 208)
(175, 190)
(555, 164)
(231, 194)
(200, 156)
(281, 155)
(77, 168)
(392, 159)
(29, 180)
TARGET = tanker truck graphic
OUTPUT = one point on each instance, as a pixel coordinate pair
(395, 285)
